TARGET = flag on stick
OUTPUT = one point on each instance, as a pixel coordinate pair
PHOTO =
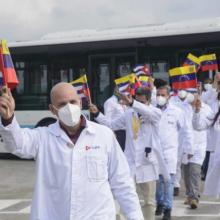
(142, 70)
(208, 62)
(183, 77)
(7, 66)
(192, 60)
(81, 85)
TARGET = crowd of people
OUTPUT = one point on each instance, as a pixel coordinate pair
(162, 135)
(168, 136)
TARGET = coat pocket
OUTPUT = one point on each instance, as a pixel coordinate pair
(96, 168)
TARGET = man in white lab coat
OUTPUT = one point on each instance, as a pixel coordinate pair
(142, 150)
(80, 165)
(191, 167)
(171, 124)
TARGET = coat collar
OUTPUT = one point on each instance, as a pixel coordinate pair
(56, 130)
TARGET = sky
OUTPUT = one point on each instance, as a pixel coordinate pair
(22, 20)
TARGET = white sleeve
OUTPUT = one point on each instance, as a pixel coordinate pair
(203, 119)
(122, 184)
(108, 109)
(186, 131)
(22, 142)
(114, 124)
(150, 112)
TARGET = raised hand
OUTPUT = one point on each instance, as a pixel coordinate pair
(93, 108)
(7, 103)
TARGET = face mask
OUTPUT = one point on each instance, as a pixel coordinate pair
(69, 114)
(182, 94)
(207, 86)
(161, 101)
(190, 98)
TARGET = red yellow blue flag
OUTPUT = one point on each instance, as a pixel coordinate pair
(208, 62)
(7, 66)
(183, 77)
(82, 88)
(192, 60)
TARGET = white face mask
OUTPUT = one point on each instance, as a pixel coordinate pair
(190, 98)
(207, 86)
(161, 101)
(182, 94)
(69, 114)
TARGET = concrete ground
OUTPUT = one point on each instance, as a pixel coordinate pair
(16, 187)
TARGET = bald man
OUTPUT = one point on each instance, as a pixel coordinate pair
(80, 165)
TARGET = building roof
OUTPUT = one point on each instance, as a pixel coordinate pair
(143, 31)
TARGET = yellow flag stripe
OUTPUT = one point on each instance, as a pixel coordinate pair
(182, 70)
(193, 58)
(207, 57)
(5, 49)
(82, 79)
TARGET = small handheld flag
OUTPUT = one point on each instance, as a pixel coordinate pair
(209, 62)
(183, 77)
(7, 66)
(142, 70)
(192, 60)
(128, 84)
(81, 85)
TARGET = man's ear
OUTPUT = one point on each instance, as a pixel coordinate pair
(52, 109)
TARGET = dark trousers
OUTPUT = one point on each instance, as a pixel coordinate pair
(120, 135)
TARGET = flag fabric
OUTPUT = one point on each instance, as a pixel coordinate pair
(134, 84)
(192, 60)
(81, 86)
(7, 66)
(128, 84)
(208, 62)
(142, 70)
(183, 77)
(144, 80)
(123, 83)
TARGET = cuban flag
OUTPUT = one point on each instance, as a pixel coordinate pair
(142, 70)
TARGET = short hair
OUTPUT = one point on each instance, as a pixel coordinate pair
(166, 87)
(143, 91)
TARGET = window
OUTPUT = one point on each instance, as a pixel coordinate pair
(160, 70)
(38, 80)
(124, 69)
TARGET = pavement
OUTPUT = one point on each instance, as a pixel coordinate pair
(17, 182)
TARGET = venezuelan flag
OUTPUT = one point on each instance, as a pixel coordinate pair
(209, 62)
(7, 66)
(192, 60)
(128, 83)
(81, 86)
(123, 83)
(183, 77)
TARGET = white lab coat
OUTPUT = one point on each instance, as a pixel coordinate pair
(113, 109)
(171, 124)
(142, 168)
(186, 140)
(75, 182)
(212, 183)
(200, 137)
